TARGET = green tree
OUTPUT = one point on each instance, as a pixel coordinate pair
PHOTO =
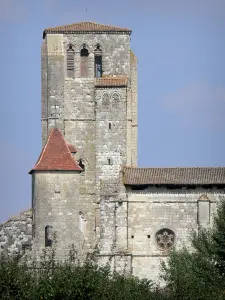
(49, 279)
(199, 273)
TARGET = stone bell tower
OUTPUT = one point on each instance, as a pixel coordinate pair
(89, 100)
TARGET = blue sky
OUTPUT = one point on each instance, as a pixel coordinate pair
(180, 46)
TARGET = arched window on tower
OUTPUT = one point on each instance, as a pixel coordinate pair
(70, 62)
(84, 62)
(48, 236)
(98, 62)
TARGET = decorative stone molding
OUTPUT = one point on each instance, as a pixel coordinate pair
(165, 239)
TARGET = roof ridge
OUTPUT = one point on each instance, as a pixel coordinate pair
(86, 26)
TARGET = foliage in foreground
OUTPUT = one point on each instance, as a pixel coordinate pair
(199, 274)
(69, 280)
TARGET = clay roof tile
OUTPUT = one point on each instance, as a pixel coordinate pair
(56, 155)
(111, 81)
(174, 176)
(72, 148)
(86, 27)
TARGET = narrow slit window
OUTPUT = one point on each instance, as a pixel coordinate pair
(110, 125)
(84, 62)
(48, 236)
(109, 161)
(98, 62)
(70, 62)
(81, 222)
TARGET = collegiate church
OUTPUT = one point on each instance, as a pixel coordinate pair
(86, 186)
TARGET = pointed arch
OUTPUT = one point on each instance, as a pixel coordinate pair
(105, 99)
(115, 98)
(98, 61)
(84, 54)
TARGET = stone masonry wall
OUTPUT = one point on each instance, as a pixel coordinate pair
(180, 210)
(57, 203)
(110, 132)
(134, 110)
(16, 234)
(115, 51)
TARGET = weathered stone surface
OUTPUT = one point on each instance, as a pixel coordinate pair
(14, 233)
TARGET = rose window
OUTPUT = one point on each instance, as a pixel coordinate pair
(165, 238)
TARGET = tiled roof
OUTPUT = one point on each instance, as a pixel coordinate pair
(56, 155)
(174, 176)
(72, 148)
(111, 81)
(86, 27)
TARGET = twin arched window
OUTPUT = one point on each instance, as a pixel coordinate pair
(84, 61)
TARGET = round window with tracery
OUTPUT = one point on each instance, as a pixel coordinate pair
(165, 238)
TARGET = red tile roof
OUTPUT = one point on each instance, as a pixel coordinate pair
(56, 155)
(86, 27)
(111, 81)
(174, 176)
(72, 148)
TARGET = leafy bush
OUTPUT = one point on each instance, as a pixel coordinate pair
(51, 280)
(199, 274)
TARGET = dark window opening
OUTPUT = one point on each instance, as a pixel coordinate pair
(48, 236)
(110, 125)
(81, 164)
(70, 62)
(98, 62)
(132, 236)
(148, 236)
(84, 62)
(109, 161)
(139, 187)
